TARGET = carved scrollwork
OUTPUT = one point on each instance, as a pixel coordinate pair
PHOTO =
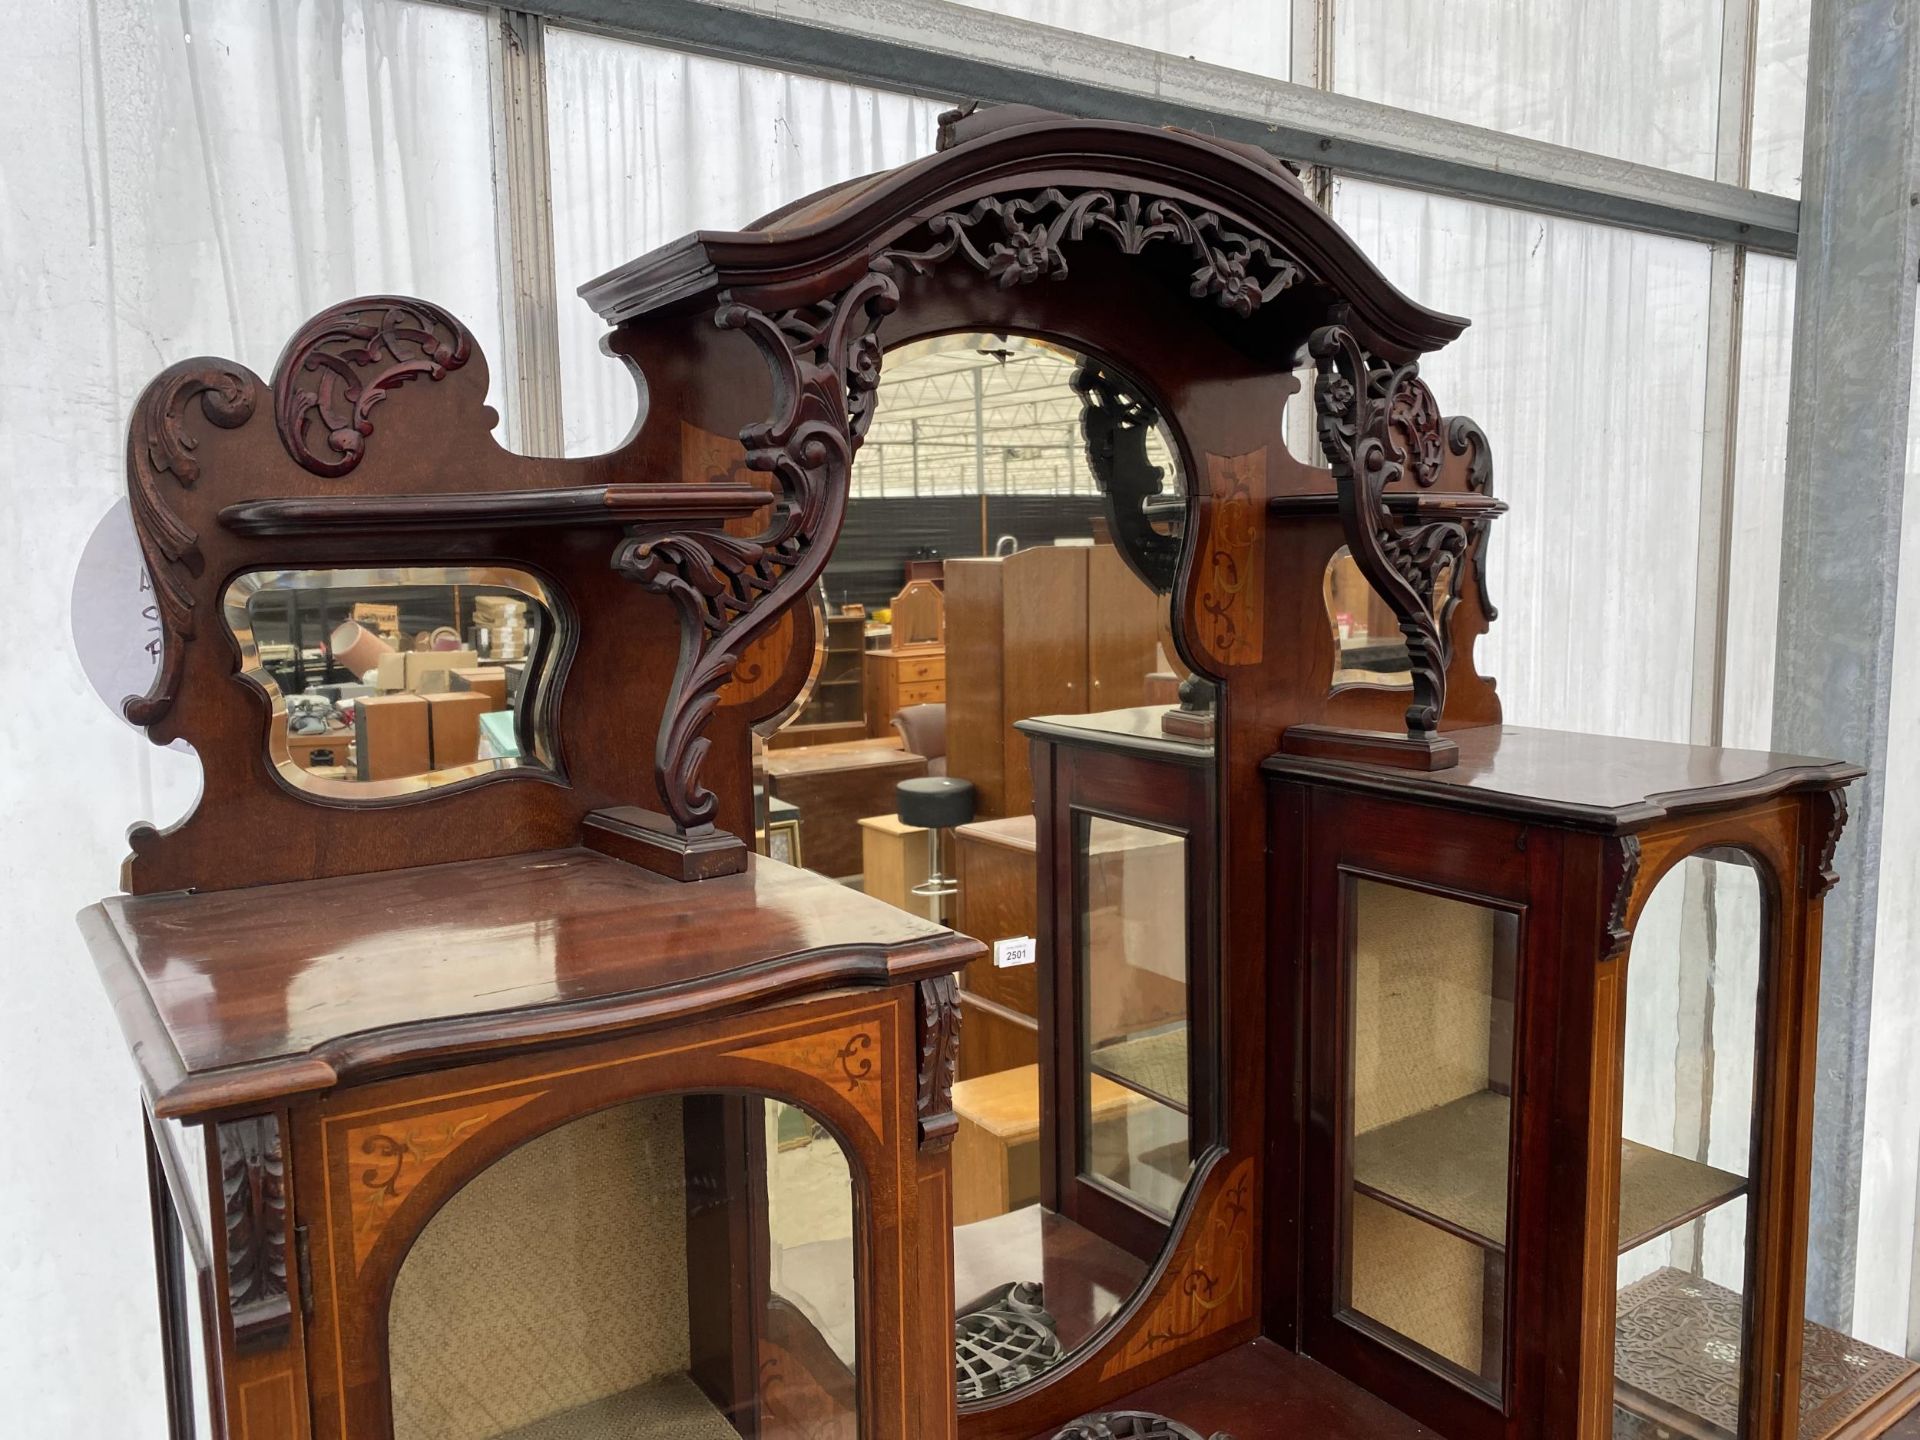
(1825, 876)
(253, 1193)
(1115, 423)
(825, 360)
(158, 445)
(1132, 1425)
(1378, 425)
(1015, 239)
(345, 361)
(1465, 437)
(939, 1025)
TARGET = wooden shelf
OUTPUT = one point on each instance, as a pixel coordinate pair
(1153, 1065)
(581, 505)
(1448, 1166)
(1676, 1342)
(672, 1408)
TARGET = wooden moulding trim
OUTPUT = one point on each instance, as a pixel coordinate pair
(1400, 502)
(1617, 820)
(772, 267)
(610, 505)
(1186, 752)
(1371, 747)
(394, 1050)
(648, 839)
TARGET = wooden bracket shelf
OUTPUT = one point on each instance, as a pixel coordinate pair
(1448, 1167)
(581, 505)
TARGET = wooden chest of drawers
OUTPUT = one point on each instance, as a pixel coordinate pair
(898, 678)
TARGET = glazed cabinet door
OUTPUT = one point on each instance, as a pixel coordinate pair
(714, 1238)
(1420, 934)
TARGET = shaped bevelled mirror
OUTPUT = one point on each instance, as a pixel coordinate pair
(1013, 535)
(385, 683)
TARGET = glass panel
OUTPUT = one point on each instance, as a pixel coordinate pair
(1133, 962)
(1635, 79)
(1432, 982)
(389, 681)
(1687, 1131)
(1781, 36)
(530, 1310)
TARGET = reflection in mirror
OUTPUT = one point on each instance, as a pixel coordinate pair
(1687, 1127)
(388, 682)
(1012, 534)
(595, 1302)
(1368, 646)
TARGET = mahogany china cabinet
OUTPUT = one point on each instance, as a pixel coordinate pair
(1390, 1071)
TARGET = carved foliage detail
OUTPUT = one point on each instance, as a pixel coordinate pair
(158, 446)
(1115, 423)
(1378, 425)
(1210, 1286)
(347, 360)
(1825, 877)
(253, 1197)
(939, 1024)
(1622, 871)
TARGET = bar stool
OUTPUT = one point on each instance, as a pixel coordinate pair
(934, 803)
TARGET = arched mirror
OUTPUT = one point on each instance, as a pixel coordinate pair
(1000, 595)
(582, 1266)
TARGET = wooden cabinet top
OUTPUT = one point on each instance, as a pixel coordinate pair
(1596, 782)
(1136, 729)
(247, 996)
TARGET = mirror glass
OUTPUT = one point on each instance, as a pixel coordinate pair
(595, 1305)
(1012, 534)
(386, 682)
(1367, 644)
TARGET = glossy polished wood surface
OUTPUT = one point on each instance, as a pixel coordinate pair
(1597, 781)
(247, 995)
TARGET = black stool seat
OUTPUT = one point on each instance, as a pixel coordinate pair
(936, 802)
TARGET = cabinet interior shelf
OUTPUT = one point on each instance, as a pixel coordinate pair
(1152, 1064)
(672, 1408)
(579, 505)
(1448, 1166)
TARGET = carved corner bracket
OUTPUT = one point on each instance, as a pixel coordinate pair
(1830, 816)
(825, 362)
(253, 1195)
(938, 1012)
(1379, 425)
(1622, 872)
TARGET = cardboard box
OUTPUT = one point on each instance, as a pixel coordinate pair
(454, 725)
(383, 620)
(427, 669)
(391, 677)
(392, 737)
(488, 680)
(326, 751)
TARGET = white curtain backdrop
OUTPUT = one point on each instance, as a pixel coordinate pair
(179, 177)
(648, 145)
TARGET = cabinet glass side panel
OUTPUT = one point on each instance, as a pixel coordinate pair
(1431, 987)
(676, 1268)
(1687, 1124)
(1132, 935)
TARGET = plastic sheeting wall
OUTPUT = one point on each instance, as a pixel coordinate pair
(177, 180)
